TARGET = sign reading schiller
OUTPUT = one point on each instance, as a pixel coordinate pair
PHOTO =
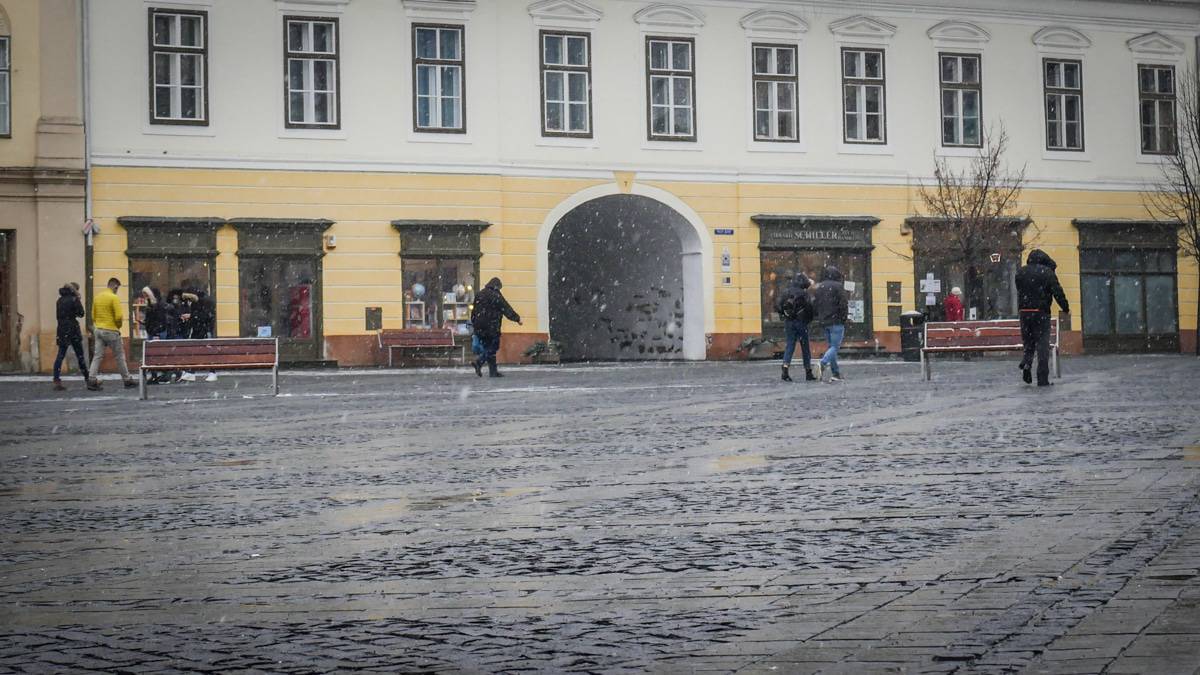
(780, 231)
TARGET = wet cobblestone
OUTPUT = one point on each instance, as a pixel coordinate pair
(608, 519)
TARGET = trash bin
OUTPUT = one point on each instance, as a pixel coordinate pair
(912, 335)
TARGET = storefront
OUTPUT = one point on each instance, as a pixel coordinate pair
(1128, 285)
(980, 260)
(790, 244)
(280, 283)
(439, 261)
(168, 254)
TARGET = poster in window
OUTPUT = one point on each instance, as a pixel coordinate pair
(857, 311)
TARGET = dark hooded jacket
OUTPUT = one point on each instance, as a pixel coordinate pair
(829, 298)
(1037, 284)
(794, 303)
(490, 308)
(156, 315)
(204, 316)
(68, 309)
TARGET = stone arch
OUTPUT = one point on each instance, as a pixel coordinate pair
(696, 258)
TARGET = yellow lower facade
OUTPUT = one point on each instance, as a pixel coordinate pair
(363, 266)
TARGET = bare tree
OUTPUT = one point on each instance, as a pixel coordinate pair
(974, 212)
(1174, 199)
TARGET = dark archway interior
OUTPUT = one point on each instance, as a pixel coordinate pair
(616, 280)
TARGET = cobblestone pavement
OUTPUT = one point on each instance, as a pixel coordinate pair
(663, 518)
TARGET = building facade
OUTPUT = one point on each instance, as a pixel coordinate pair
(643, 177)
(42, 174)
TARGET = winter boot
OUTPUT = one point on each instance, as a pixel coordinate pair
(808, 375)
(1027, 375)
(493, 371)
(477, 364)
(58, 385)
(785, 377)
(94, 385)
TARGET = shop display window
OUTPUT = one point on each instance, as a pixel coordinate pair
(439, 292)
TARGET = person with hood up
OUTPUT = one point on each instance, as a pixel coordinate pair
(201, 318)
(1037, 285)
(832, 309)
(487, 314)
(954, 305)
(796, 310)
(155, 322)
(69, 309)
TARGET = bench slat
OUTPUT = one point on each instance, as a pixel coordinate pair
(230, 359)
(211, 366)
(192, 350)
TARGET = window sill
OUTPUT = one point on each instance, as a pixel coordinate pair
(440, 137)
(865, 149)
(1153, 160)
(177, 130)
(789, 147)
(678, 146)
(567, 142)
(315, 134)
(955, 151)
(1066, 156)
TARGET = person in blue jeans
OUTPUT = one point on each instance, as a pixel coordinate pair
(796, 310)
(832, 309)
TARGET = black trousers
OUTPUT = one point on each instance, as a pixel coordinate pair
(76, 343)
(1035, 335)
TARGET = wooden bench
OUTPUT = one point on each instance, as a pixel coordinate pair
(214, 354)
(392, 339)
(1002, 335)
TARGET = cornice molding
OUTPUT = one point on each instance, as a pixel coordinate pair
(862, 29)
(1061, 39)
(771, 23)
(1155, 44)
(670, 18)
(574, 14)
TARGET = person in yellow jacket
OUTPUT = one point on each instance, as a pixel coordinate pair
(107, 316)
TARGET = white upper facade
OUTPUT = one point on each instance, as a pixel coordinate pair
(515, 103)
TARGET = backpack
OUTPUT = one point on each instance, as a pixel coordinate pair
(790, 306)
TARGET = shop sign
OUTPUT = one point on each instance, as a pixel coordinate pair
(814, 232)
(726, 231)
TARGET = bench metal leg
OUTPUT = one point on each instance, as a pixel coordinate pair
(142, 384)
(1057, 365)
(925, 366)
(275, 380)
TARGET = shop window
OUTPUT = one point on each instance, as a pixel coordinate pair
(863, 85)
(311, 73)
(178, 67)
(986, 274)
(1063, 88)
(438, 86)
(439, 264)
(775, 85)
(962, 97)
(166, 254)
(670, 80)
(566, 70)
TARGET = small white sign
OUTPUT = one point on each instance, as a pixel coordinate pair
(973, 314)
(850, 286)
(726, 260)
(857, 313)
(264, 331)
(930, 299)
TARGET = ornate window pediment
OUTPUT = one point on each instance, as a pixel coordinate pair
(439, 10)
(1155, 44)
(565, 14)
(862, 29)
(958, 33)
(318, 6)
(675, 18)
(773, 23)
(1061, 38)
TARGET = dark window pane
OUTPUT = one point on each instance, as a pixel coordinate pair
(1160, 305)
(682, 94)
(554, 116)
(1053, 74)
(424, 104)
(681, 56)
(850, 98)
(762, 123)
(873, 65)
(449, 46)
(164, 26)
(874, 129)
(188, 100)
(297, 35)
(658, 55)
(683, 121)
(554, 86)
(190, 31)
(578, 116)
(1166, 81)
(426, 43)
(659, 87)
(162, 102)
(424, 80)
(162, 68)
(1127, 293)
(450, 82)
(658, 119)
(949, 69)
(296, 107)
(296, 74)
(850, 64)
(322, 37)
(971, 131)
(576, 51)
(762, 95)
(786, 124)
(577, 90)
(970, 70)
(1097, 311)
(762, 60)
(553, 49)
(949, 131)
(1130, 261)
(785, 95)
(785, 61)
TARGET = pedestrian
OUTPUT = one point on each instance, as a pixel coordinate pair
(954, 305)
(832, 309)
(69, 310)
(796, 310)
(489, 311)
(107, 316)
(154, 322)
(175, 329)
(1037, 284)
(204, 321)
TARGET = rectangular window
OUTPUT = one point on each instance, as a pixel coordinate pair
(775, 84)
(671, 84)
(5, 90)
(1063, 85)
(962, 99)
(178, 67)
(566, 69)
(1156, 106)
(863, 96)
(311, 73)
(439, 292)
(438, 84)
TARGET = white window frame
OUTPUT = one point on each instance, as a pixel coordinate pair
(773, 79)
(960, 88)
(564, 70)
(175, 51)
(1062, 92)
(1172, 99)
(861, 83)
(309, 58)
(439, 65)
(671, 74)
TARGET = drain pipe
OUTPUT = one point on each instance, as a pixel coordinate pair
(88, 248)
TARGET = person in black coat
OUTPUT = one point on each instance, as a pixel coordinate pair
(489, 311)
(69, 309)
(1037, 285)
(833, 310)
(796, 310)
(155, 314)
(204, 316)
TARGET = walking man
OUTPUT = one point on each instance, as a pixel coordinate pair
(69, 310)
(796, 310)
(1037, 284)
(107, 316)
(832, 309)
(486, 316)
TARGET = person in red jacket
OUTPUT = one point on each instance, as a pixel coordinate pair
(954, 305)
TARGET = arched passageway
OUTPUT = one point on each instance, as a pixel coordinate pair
(625, 281)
